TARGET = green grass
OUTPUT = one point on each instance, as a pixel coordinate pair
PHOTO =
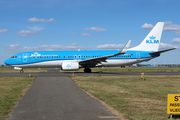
(142, 69)
(11, 91)
(135, 99)
(28, 70)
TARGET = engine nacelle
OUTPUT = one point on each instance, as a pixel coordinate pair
(68, 66)
(17, 68)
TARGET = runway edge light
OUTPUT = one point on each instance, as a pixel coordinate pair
(73, 74)
(142, 76)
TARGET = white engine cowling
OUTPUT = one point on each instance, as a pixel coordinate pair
(68, 66)
(17, 68)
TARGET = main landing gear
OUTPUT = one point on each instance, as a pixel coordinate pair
(87, 70)
(21, 71)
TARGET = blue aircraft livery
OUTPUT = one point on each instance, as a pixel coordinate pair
(74, 60)
(68, 65)
(152, 40)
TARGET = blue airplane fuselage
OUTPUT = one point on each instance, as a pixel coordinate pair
(30, 58)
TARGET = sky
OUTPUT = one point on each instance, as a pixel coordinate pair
(48, 25)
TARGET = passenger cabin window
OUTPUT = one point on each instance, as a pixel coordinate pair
(14, 57)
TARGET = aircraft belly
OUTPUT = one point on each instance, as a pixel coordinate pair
(41, 64)
(123, 62)
(56, 63)
(118, 62)
(46, 64)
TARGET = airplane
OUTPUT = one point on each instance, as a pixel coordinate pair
(74, 60)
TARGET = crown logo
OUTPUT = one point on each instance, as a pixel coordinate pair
(152, 37)
(68, 65)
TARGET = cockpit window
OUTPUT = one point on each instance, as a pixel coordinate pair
(14, 57)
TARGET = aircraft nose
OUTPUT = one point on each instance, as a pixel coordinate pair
(6, 61)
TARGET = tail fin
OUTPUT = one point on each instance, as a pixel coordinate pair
(152, 40)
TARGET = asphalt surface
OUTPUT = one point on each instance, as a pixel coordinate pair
(58, 98)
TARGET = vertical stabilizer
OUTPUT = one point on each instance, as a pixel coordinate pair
(152, 40)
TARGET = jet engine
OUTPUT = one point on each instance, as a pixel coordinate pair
(68, 66)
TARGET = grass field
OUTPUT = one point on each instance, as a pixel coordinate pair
(11, 91)
(28, 70)
(135, 99)
(142, 69)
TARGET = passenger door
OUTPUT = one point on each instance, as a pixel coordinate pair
(138, 56)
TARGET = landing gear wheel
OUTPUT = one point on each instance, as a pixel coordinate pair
(87, 70)
(21, 71)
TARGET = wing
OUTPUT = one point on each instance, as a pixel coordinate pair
(103, 58)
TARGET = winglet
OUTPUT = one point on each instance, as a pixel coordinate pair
(123, 51)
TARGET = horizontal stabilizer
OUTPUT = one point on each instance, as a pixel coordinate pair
(161, 51)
